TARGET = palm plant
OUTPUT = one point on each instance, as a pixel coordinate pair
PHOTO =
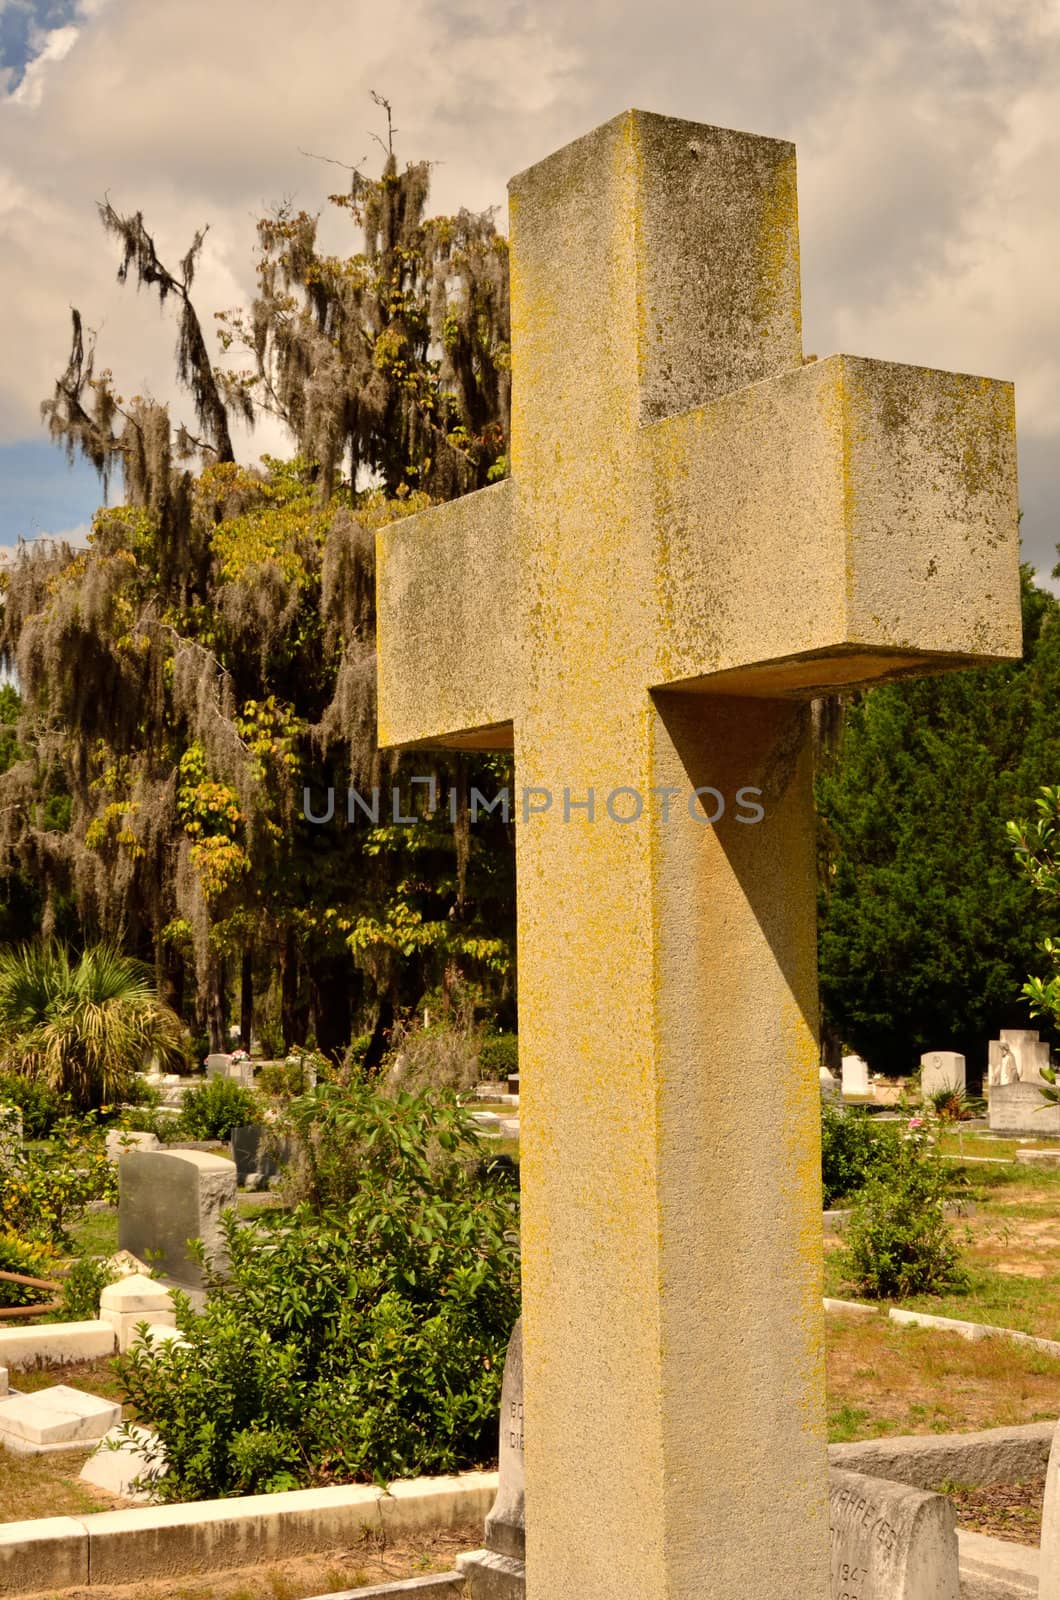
(81, 1024)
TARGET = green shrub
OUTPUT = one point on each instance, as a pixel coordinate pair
(44, 1191)
(898, 1241)
(82, 1286)
(32, 1260)
(498, 1057)
(219, 1106)
(41, 1107)
(854, 1148)
(359, 1340)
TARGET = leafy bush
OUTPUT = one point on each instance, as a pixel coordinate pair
(32, 1260)
(219, 1106)
(853, 1149)
(499, 1057)
(44, 1191)
(898, 1241)
(360, 1338)
(81, 1025)
(41, 1107)
(343, 1140)
(82, 1286)
(293, 1076)
(951, 1105)
(441, 1056)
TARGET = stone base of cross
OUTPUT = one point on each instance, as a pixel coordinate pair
(701, 533)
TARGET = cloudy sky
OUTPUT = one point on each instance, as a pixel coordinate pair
(928, 141)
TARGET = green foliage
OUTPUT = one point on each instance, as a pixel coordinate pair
(32, 1260)
(354, 1139)
(360, 1337)
(221, 1104)
(498, 1057)
(45, 1189)
(41, 1107)
(84, 1025)
(898, 1241)
(951, 1105)
(1036, 844)
(925, 930)
(854, 1148)
(83, 1284)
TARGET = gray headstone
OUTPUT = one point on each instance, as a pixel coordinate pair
(829, 1087)
(891, 1542)
(217, 1065)
(165, 1198)
(253, 1153)
(1050, 1558)
(498, 1571)
(1022, 1108)
(942, 1069)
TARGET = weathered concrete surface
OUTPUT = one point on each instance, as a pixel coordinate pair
(792, 528)
(167, 1541)
(50, 1553)
(119, 1459)
(998, 1569)
(55, 1344)
(56, 1418)
(997, 1455)
(162, 1541)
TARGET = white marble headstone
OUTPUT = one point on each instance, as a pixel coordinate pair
(942, 1069)
(856, 1076)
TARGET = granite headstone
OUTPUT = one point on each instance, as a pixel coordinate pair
(166, 1198)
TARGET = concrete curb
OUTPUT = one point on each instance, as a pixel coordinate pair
(854, 1307)
(440, 1583)
(997, 1569)
(185, 1540)
(973, 1331)
(998, 1455)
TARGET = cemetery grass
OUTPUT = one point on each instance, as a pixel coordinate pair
(367, 1561)
(48, 1486)
(886, 1379)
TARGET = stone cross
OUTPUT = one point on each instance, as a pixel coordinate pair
(701, 532)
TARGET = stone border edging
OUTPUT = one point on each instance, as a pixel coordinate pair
(201, 1536)
(435, 1583)
(997, 1569)
(997, 1455)
(974, 1331)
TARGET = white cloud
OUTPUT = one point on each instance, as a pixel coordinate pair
(926, 142)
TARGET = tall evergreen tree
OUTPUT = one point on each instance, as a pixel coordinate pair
(927, 932)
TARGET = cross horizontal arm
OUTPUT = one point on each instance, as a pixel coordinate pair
(846, 522)
(446, 624)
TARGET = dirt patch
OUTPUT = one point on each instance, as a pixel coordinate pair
(1002, 1510)
(366, 1562)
